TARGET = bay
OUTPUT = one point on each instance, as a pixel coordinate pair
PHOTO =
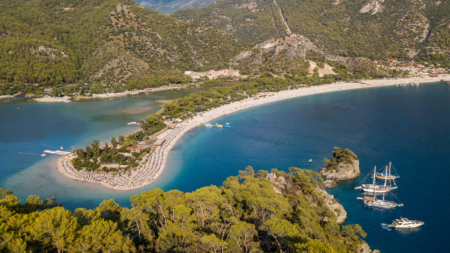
(408, 126)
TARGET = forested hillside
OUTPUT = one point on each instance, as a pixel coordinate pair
(254, 212)
(52, 42)
(378, 29)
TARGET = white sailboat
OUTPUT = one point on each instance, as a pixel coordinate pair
(387, 174)
(382, 203)
(374, 188)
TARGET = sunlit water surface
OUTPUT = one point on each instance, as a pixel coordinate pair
(406, 125)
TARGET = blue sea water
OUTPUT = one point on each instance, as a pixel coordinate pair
(409, 126)
(406, 125)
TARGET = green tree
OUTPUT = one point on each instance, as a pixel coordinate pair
(103, 236)
(279, 228)
(114, 142)
(56, 229)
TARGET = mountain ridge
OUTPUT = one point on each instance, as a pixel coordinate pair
(376, 29)
(51, 42)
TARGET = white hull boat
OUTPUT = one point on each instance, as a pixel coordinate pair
(403, 223)
(381, 203)
(387, 175)
(374, 188)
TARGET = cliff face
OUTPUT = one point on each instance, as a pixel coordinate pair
(334, 206)
(344, 171)
(280, 185)
(343, 166)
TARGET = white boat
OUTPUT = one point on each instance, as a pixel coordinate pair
(403, 223)
(208, 125)
(387, 174)
(374, 188)
(310, 161)
(382, 203)
(228, 123)
(43, 155)
(57, 152)
(133, 123)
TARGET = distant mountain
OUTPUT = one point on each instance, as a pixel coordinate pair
(55, 42)
(170, 6)
(404, 29)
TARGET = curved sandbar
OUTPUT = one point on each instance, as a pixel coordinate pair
(155, 163)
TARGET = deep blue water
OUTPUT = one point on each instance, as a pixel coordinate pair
(409, 126)
(406, 125)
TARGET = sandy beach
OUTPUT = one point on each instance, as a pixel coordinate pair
(65, 99)
(154, 164)
(6, 96)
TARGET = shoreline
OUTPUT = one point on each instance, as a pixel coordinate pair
(155, 163)
(68, 99)
(6, 96)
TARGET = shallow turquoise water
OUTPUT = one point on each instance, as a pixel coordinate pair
(28, 128)
(406, 125)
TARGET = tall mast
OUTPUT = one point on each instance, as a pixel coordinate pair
(374, 175)
(385, 177)
(390, 169)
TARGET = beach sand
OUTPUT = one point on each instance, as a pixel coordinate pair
(161, 153)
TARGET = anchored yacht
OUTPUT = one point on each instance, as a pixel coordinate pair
(403, 223)
(373, 201)
(387, 174)
(374, 188)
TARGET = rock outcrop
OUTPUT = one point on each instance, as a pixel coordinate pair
(280, 185)
(372, 6)
(364, 248)
(343, 166)
(334, 206)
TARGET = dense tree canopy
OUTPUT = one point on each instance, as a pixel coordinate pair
(243, 215)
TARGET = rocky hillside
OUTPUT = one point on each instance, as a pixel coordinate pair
(296, 55)
(377, 29)
(53, 42)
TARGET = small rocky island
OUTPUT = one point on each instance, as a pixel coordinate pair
(343, 166)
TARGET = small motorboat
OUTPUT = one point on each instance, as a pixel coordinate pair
(310, 161)
(44, 155)
(228, 123)
(208, 125)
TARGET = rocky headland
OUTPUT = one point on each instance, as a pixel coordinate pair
(281, 185)
(343, 166)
